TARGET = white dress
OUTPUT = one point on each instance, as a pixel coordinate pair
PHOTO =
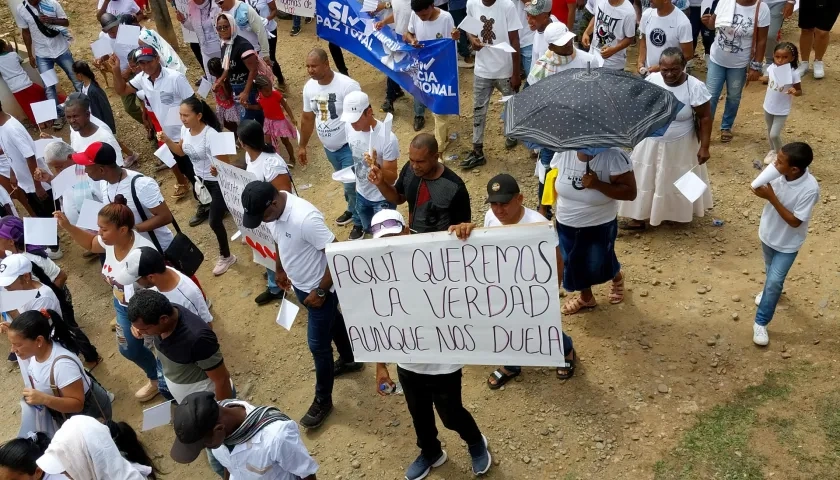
(659, 161)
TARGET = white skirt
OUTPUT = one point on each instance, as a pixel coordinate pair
(657, 165)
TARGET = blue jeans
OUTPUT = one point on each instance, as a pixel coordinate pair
(272, 281)
(343, 158)
(458, 16)
(734, 79)
(324, 326)
(132, 348)
(65, 61)
(366, 209)
(296, 22)
(525, 59)
(568, 346)
(777, 265)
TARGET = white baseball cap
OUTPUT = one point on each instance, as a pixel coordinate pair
(50, 464)
(556, 33)
(355, 104)
(386, 222)
(13, 267)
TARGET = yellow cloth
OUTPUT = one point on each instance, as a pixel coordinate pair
(549, 195)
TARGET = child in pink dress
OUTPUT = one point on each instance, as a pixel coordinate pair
(277, 127)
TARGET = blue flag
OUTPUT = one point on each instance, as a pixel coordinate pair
(429, 73)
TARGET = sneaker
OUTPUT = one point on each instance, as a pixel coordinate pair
(12, 357)
(419, 123)
(201, 214)
(356, 233)
(58, 124)
(307, 20)
(770, 157)
(148, 392)
(465, 64)
(223, 264)
(317, 413)
(55, 254)
(387, 107)
(473, 160)
(760, 336)
(344, 219)
(819, 69)
(295, 32)
(421, 467)
(802, 69)
(765, 69)
(510, 143)
(197, 83)
(131, 160)
(111, 397)
(267, 297)
(758, 298)
(481, 459)
(341, 367)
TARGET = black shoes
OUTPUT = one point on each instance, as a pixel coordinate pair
(387, 107)
(295, 31)
(344, 219)
(419, 123)
(317, 413)
(356, 233)
(201, 214)
(267, 297)
(341, 367)
(473, 160)
(510, 143)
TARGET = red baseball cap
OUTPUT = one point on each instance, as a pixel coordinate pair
(97, 153)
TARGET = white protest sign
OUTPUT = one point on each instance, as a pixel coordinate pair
(691, 186)
(471, 25)
(301, 8)
(41, 144)
(232, 181)
(504, 46)
(49, 77)
(706, 7)
(64, 181)
(157, 416)
(173, 117)
(370, 5)
(432, 298)
(89, 215)
(345, 175)
(44, 111)
(101, 48)
(165, 155)
(14, 299)
(204, 88)
(222, 143)
(40, 231)
(128, 35)
(781, 75)
(286, 315)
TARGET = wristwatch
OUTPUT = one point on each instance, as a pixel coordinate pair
(320, 292)
(387, 4)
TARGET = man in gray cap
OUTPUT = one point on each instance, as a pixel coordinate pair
(110, 24)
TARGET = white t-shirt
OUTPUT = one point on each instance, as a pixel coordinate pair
(777, 101)
(42, 45)
(586, 207)
(526, 35)
(692, 93)
(267, 166)
(66, 371)
(119, 7)
(402, 13)
(13, 74)
(612, 25)
(167, 91)
(327, 103)
(45, 299)
(663, 32)
(122, 293)
(432, 30)
(499, 19)
(387, 150)
(148, 192)
(261, 6)
(5, 199)
(49, 267)
(733, 44)
(799, 197)
(188, 295)
(301, 236)
(18, 146)
(80, 143)
(530, 216)
(197, 147)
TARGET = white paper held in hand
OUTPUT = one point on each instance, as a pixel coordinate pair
(40, 231)
(369, 5)
(41, 144)
(503, 46)
(691, 186)
(204, 88)
(89, 214)
(222, 143)
(286, 315)
(165, 155)
(101, 48)
(766, 176)
(173, 117)
(345, 175)
(782, 75)
(12, 300)
(49, 77)
(157, 416)
(471, 25)
(64, 181)
(128, 35)
(44, 111)
(505, 98)
(706, 7)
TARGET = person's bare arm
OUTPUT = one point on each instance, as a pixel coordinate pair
(688, 50)
(570, 19)
(221, 380)
(704, 117)
(516, 77)
(283, 183)
(760, 45)
(389, 172)
(307, 125)
(586, 39)
(253, 69)
(27, 40)
(272, 12)
(161, 216)
(120, 85)
(60, 279)
(388, 190)
(72, 399)
(640, 63)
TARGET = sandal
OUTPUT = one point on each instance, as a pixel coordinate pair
(725, 136)
(575, 305)
(180, 191)
(632, 225)
(500, 378)
(567, 372)
(617, 291)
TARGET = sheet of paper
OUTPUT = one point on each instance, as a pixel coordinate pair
(44, 111)
(157, 416)
(286, 315)
(706, 7)
(128, 35)
(503, 46)
(222, 143)
(691, 186)
(782, 75)
(369, 5)
(89, 214)
(12, 300)
(64, 181)
(41, 144)
(505, 98)
(101, 48)
(345, 175)
(204, 88)
(236, 235)
(50, 78)
(471, 25)
(40, 231)
(173, 117)
(165, 155)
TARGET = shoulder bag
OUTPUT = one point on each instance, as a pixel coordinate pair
(45, 30)
(95, 397)
(182, 253)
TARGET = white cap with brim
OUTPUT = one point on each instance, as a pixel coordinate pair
(50, 464)
(383, 216)
(556, 33)
(355, 104)
(12, 267)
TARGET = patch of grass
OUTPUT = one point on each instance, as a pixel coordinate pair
(829, 414)
(717, 445)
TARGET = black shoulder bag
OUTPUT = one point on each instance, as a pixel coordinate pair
(47, 31)
(182, 253)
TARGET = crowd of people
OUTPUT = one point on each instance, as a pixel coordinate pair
(162, 318)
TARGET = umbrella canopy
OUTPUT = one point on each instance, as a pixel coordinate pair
(580, 108)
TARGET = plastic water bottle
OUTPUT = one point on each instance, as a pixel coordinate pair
(717, 223)
(391, 389)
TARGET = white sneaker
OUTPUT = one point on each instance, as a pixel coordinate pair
(223, 264)
(465, 64)
(55, 254)
(770, 157)
(802, 69)
(764, 69)
(819, 69)
(760, 336)
(758, 298)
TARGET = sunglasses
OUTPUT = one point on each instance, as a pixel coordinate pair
(222, 28)
(385, 224)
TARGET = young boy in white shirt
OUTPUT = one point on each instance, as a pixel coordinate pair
(784, 224)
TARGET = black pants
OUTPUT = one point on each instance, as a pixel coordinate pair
(196, 49)
(275, 66)
(86, 348)
(338, 59)
(217, 215)
(444, 393)
(697, 27)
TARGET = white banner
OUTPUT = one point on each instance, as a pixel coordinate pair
(431, 298)
(232, 180)
(301, 8)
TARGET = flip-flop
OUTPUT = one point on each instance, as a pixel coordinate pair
(501, 378)
(726, 136)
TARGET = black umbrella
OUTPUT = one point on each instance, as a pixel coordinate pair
(581, 108)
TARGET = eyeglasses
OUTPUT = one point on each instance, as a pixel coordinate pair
(222, 28)
(385, 224)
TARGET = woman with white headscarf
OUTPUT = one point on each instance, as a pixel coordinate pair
(241, 64)
(201, 20)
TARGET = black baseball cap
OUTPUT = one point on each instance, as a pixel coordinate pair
(501, 189)
(97, 153)
(139, 263)
(256, 197)
(194, 418)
